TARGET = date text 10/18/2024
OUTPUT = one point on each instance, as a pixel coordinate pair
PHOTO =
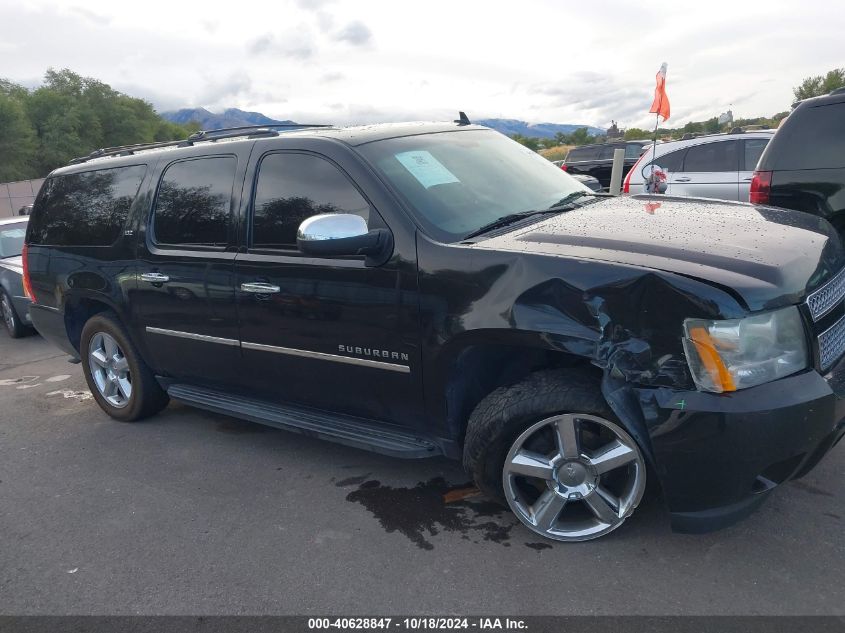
(417, 623)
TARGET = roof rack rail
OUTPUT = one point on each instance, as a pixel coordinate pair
(251, 131)
(223, 132)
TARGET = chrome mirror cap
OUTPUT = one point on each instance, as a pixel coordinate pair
(331, 226)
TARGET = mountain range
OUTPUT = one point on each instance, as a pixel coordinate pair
(233, 117)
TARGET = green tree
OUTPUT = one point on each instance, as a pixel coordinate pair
(580, 137)
(634, 133)
(17, 140)
(820, 84)
(529, 141)
(560, 138)
(70, 115)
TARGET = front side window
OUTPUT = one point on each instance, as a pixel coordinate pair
(86, 208)
(193, 204)
(712, 157)
(633, 150)
(293, 187)
(11, 239)
(456, 182)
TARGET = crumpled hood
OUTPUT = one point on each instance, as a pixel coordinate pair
(14, 263)
(767, 256)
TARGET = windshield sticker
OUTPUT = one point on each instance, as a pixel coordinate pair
(426, 168)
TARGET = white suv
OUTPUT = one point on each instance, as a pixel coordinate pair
(709, 166)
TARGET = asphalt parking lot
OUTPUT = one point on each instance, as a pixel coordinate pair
(193, 513)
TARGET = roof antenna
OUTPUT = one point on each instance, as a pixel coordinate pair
(463, 119)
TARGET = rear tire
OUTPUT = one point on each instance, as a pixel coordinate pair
(553, 451)
(14, 326)
(119, 379)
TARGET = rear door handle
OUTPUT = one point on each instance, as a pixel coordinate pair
(683, 179)
(155, 278)
(260, 288)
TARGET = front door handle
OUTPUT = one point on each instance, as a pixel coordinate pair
(155, 278)
(260, 288)
(683, 179)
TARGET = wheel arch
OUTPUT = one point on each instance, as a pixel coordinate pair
(477, 363)
(80, 307)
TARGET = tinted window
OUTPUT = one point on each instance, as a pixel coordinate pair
(194, 201)
(718, 156)
(812, 138)
(583, 153)
(293, 187)
(85, 209)
(753, 149)
(633, 150)
(11, 239)
(670, 162)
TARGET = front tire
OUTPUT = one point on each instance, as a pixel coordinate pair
(117, 376)
(551, 448)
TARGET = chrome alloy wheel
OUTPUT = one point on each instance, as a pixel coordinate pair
(6, 308)
(574, 477)
(110, 370)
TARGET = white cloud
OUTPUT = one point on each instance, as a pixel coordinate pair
(346, 61)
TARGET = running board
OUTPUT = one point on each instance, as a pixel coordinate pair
(343, 429)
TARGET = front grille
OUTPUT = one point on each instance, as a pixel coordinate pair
(827, 297)
(832, 344)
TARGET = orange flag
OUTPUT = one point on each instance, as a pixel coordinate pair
(660, 105)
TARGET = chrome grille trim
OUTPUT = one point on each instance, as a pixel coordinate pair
(832, 344)
(824, 299)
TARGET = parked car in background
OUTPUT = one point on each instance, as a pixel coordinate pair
(803, 167)
(25, 210)
(433, 289)
(709, 166)
(597, 160)
(588, 181)
(14, 304)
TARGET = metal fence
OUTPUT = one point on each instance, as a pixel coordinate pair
(14, 195)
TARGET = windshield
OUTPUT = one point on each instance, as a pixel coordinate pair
(11, 239)
(457, 182)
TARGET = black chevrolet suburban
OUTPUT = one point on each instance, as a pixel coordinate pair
(438, 289)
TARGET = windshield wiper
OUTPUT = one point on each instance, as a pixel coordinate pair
(557, 207)
(572, 197)
(510, 219)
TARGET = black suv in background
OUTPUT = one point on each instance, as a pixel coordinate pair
(437, 289)
(803, 166)
(597, 160)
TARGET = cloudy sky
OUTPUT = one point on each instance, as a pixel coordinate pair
(371, 60)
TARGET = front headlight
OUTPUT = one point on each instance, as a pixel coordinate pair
(740, 353)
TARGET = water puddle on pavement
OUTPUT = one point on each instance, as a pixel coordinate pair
(429, 508)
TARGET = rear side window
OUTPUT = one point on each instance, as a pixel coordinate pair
(194, 201)
(712, 157)
(811, 138)
(753, 149)
(85, 209)
(292, 188)
(583, 153)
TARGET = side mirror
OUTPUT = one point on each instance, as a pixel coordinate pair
(343, 235)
